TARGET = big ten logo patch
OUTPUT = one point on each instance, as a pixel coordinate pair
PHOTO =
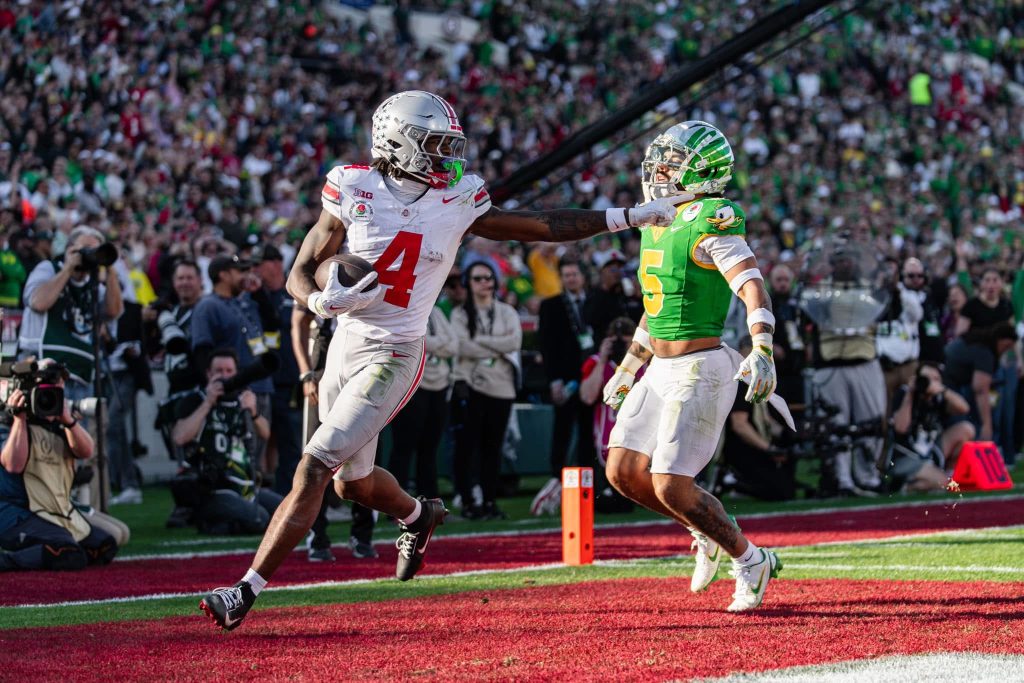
(362, 193)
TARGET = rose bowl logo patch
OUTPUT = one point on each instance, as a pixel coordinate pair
(360, 211)
(691, 211)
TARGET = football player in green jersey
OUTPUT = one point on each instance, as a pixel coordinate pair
(670, 422)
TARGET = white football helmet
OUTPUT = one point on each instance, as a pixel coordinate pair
(419, 133)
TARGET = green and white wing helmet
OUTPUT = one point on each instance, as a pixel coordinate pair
(692, 156)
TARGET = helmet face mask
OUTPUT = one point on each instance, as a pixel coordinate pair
(419, 133)
(692, 157)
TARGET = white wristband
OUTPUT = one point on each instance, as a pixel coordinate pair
(631, 364)
(314, 305)
(760, 315)
(616, 219)
(643, 338)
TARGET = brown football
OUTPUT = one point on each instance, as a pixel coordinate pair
(351, 269)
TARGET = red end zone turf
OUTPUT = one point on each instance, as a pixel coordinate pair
(640, 629)
(194, 575)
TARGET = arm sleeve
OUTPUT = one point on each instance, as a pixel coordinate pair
(481, 201)
(40, 274)
(202, 329)
(725, 251)
(330, 196)
(467, 347)
(187, 405)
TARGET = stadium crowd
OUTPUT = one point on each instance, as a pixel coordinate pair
(201, 133)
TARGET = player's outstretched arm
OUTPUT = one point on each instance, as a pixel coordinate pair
(321, 243)
(568, 225)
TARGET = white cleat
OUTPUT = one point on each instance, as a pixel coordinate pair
(708, 558)
(752, 581)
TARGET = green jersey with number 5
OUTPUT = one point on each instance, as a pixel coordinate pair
(685, 296)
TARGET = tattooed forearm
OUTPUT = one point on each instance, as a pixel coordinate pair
(635, 349)
(558, 225)
(567, 225)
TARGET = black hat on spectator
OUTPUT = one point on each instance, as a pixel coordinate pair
(265, 252)
(26, 234)
(221, 263)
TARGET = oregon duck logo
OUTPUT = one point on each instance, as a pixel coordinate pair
(725, 218)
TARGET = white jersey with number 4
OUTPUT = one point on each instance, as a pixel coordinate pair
(412, 247)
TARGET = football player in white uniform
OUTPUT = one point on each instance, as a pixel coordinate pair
(406, 214)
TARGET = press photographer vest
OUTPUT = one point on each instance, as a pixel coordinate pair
(222, 443)
(48, 476)
(67, 331)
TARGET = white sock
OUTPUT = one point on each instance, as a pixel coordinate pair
(414, 515)
(255, 581)
(750, 554)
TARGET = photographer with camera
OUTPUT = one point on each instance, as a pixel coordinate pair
(40, 527)
(218, 427)
(930, 426)
(58, 318)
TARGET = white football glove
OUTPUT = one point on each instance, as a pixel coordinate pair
(758, 370)
(337, 299)
(657, 211)
(617, 387)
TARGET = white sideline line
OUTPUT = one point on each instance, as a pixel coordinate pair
(969, 569)
(629, 562)
(610, 525)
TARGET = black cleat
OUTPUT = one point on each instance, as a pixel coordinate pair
(412, 544)
(228, 606)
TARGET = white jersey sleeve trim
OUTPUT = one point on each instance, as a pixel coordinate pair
(725, 251)
(330, 196)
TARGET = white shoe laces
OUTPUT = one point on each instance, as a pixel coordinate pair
(700, 543)
(744, 577)
(406, 544)
(232, 597)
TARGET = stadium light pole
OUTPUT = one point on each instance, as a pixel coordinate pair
(694, 72)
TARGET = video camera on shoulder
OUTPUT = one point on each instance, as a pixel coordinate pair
(41, 385)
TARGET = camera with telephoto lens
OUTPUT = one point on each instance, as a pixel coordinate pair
(172, 337)
(264, 366)
(94, 257)
(40, 385)
(86, 407)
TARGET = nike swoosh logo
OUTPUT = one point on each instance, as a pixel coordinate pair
(424, 548)
(396, 354)
(333, 308)
(445, 200)
(228, 621)
(714, 558)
